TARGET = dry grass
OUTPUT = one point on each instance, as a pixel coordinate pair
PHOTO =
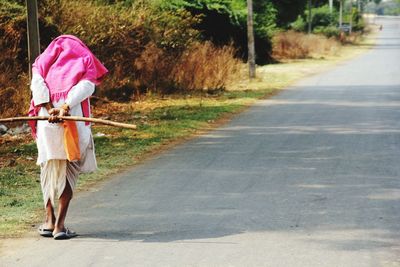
(204, 66)
(14, 95)
(296, 45)
(201, 66)
(353, 38)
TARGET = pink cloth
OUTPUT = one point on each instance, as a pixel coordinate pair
(65, 62)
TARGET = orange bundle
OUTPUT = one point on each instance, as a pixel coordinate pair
(71, 141)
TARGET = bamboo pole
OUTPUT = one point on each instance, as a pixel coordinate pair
(72, 118)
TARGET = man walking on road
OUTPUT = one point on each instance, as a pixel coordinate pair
(64, 77)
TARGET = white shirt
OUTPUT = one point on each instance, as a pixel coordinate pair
(49, 140)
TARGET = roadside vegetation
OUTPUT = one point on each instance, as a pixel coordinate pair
(176, 68)
(163, 47)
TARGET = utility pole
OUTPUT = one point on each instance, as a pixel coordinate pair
(250, 40)
(331, 6)
(309, 17)
(33, 33)
(351, 17)
(341, 13)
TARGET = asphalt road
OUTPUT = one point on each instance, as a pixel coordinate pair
(310, 177)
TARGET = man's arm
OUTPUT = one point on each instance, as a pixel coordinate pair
(79, 92)
(40, 92)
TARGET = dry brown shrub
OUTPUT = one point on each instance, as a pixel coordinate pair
(201, 66)
(148, 51)
(153, 70)
(128, 38)
(296, 45)
(205, 66)
(14, 95)
(352, 38)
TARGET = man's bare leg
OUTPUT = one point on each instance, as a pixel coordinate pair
(50, 220)
(62, 209)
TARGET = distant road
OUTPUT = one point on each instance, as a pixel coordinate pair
(310, 177)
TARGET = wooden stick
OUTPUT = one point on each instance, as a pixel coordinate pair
(72, 118)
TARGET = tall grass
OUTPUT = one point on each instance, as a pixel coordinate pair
(296, 45)
(204, 66)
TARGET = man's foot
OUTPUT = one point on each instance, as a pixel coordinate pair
(65, 234)
(44, 231)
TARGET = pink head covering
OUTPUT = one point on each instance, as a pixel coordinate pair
(65, 62)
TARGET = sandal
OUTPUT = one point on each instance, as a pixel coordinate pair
(45, 232)
(66, 234)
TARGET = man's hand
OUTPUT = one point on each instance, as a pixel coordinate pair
(55, 113)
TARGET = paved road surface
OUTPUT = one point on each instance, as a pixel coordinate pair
(308, 178)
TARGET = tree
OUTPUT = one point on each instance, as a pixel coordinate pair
(288, 10)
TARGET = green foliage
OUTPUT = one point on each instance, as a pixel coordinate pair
(225, 21)
(322, 17)
(265, 18)
(265, 15)
(10, 10)
(329, 31)
(300, 24)
(234, 9)
(288, 11)
(358, 21)
(322, 22)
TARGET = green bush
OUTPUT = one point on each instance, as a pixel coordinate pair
(299, 25)
(322, 17)
(322, 22)
(225, 21)
(330, 31)
(358, 21)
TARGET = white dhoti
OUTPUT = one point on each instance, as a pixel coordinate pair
(55, 173)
